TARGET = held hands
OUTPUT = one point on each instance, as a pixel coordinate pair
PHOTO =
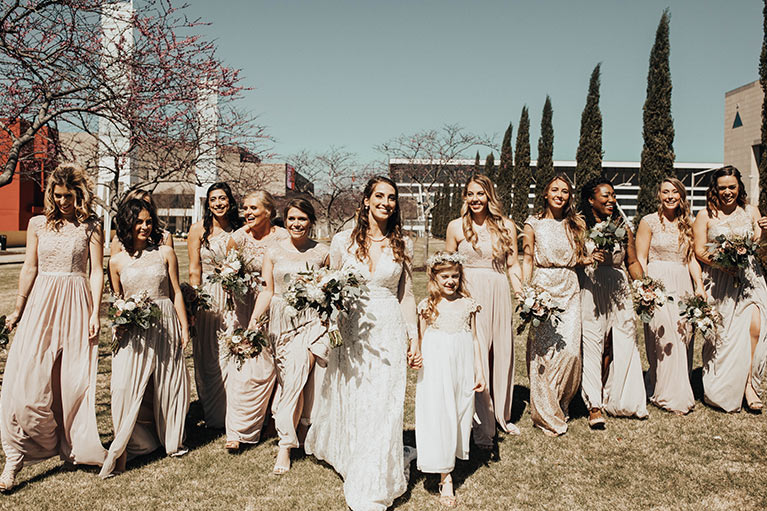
(414, 358)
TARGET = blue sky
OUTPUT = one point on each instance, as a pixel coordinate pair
(357, 73)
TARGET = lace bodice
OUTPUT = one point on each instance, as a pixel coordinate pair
(287, 262)
(738, 223)
(453, 316)
(254, 249)
(64, 250)
(553, 248)
(664, 245)
(387, 273)
(215, 251)
(482, 257)
(147, 272)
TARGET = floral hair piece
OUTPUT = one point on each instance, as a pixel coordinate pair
(445, 257)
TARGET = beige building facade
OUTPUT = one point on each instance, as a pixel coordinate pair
(742, 133)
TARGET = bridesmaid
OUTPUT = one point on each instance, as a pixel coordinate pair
(115, 246)
(249, 389)
(150, 383)
(298, 341)
(488, 241)
(553, 246)
(207, 243)
(733, 367)
(607, 317)
(664, 246)
(57, 311)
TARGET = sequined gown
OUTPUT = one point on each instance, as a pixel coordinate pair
(444, 391)
(489, 286)
(358, 429)
(668, 339)
(249, 388)
(150, 383)
(726, 362)
(294, 338)
(208, 365)
(41, 413)
(554, 351)
(606, 308)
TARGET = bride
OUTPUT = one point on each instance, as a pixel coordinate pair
(359, 428)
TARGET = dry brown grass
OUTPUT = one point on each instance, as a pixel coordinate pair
(706, 460)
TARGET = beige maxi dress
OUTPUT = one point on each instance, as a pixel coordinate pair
(208, 366)
(41, 413)
(668, 339)
(727, 365)
(606, 308)
(489, 287)
(293, 339)
(249, 388)
(150, 383)
(554, 350)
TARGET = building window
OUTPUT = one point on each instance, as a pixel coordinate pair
(737, 123)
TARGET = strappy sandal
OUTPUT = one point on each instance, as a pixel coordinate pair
(232, 446)
(447, 500)
(8, 478)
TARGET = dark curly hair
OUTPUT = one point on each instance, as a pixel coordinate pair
(233, 214)
(393, 225)
(712, 194)
(587, 192)
(127, 218)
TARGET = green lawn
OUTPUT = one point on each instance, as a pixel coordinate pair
(706, 460)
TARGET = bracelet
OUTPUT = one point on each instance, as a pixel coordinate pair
(23, 296)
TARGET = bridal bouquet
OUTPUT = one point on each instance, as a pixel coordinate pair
(234, 277)
(701, 315)
(732, 252)
(5, 333)
(607, 236)
(537, 306)
(195, 300)
(648, 294)
(329, 292)
(134, 311)
(242, 344)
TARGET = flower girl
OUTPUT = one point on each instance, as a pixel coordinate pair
(448, 355)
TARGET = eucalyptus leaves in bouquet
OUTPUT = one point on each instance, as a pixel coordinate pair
(5, 333)
(649, 294)
(537, 306)
(701, 315)
(235, 278)
(732, 252)
(196, 299)
(242, 344)
(608, 235)
(135, 311)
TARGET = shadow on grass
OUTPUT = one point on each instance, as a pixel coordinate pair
(696, 380)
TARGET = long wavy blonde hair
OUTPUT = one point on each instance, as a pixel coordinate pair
(575, 225)
(503, 244)
(74, 178)
(682, 215)
(430, 312)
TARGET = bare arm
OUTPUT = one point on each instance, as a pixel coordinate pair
(193, 243)
(27, 276)
(528, 248)
(636, 271)
(177, 297)
(479, 378)
(168, 241)
(513, 269)
(414, 357)
(453, 235)
(265, 295)
(115, 247)
(96, 255)
(697, 276)
(642, 243)
(407, 303)
(700, 236)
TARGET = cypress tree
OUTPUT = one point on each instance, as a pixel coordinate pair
(658, 131)
(456, 201)
(505, 171)
(477, 168)
(522, 177)
(545, 153)
(440, 212)
(490, 167)
(763, 81)
(588, 158)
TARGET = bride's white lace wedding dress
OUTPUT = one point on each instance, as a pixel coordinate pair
(359, 425)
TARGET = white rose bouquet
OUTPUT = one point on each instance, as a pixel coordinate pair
(537, 306)
(648, 294)
(701, 315)
(329, 292)
(135, 311)
(234, 277)
(242, 344)
(732, 252)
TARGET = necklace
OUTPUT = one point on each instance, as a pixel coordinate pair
(376, 240)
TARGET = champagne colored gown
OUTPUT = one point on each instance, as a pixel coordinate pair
(43, 414)
(554, 350)
(358, 428)
(150, 383)
(668, 339)
(208, 366)
(293, 339)
(249, 388)
(607, 308)
(489, 286)
(727, 363)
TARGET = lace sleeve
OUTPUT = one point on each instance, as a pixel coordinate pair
(338, 248)
(405, 294)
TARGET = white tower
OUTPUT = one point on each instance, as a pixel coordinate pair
(205, 167)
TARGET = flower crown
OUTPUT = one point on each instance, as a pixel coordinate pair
(445, 257)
